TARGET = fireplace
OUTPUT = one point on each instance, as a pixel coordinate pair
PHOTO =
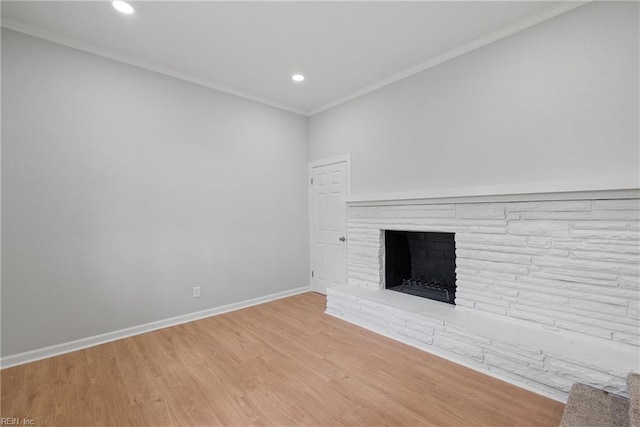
(421, 264)
(529, 277)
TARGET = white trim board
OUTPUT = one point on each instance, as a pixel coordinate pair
(330, 161)
(68, 347)
(624, 187)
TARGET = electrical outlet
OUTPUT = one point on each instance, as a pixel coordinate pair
(196, 291)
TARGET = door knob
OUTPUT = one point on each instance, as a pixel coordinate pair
(342, 239)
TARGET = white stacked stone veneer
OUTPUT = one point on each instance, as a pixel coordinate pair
(547, 291)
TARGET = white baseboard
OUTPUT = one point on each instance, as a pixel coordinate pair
(58, 349)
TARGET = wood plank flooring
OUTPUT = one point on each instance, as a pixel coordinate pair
(282, 363)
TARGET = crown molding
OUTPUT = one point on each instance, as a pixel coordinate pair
(545, 15)
(550, 13)
(151, 66)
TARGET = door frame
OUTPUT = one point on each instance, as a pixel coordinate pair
(342, 158)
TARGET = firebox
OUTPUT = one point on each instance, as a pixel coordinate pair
(421, 263)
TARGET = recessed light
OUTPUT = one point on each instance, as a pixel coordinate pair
(297, 77)
(123, 7)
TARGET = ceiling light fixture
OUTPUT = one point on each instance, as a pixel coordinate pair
(123, 7)
(297, 77)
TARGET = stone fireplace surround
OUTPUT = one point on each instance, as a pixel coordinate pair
(548, 285)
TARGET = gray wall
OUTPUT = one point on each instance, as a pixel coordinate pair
(556, 102)
(122, 189)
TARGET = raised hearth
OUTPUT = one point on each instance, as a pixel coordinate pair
(567, 268)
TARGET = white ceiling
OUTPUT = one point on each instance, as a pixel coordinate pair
(252, 48)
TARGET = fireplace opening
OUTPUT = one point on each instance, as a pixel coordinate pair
(421, 263)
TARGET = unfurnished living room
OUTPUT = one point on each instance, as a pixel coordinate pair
(320, 213)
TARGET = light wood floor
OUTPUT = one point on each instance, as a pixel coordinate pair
(281, 363)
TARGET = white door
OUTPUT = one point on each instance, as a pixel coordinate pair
(328, 226)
